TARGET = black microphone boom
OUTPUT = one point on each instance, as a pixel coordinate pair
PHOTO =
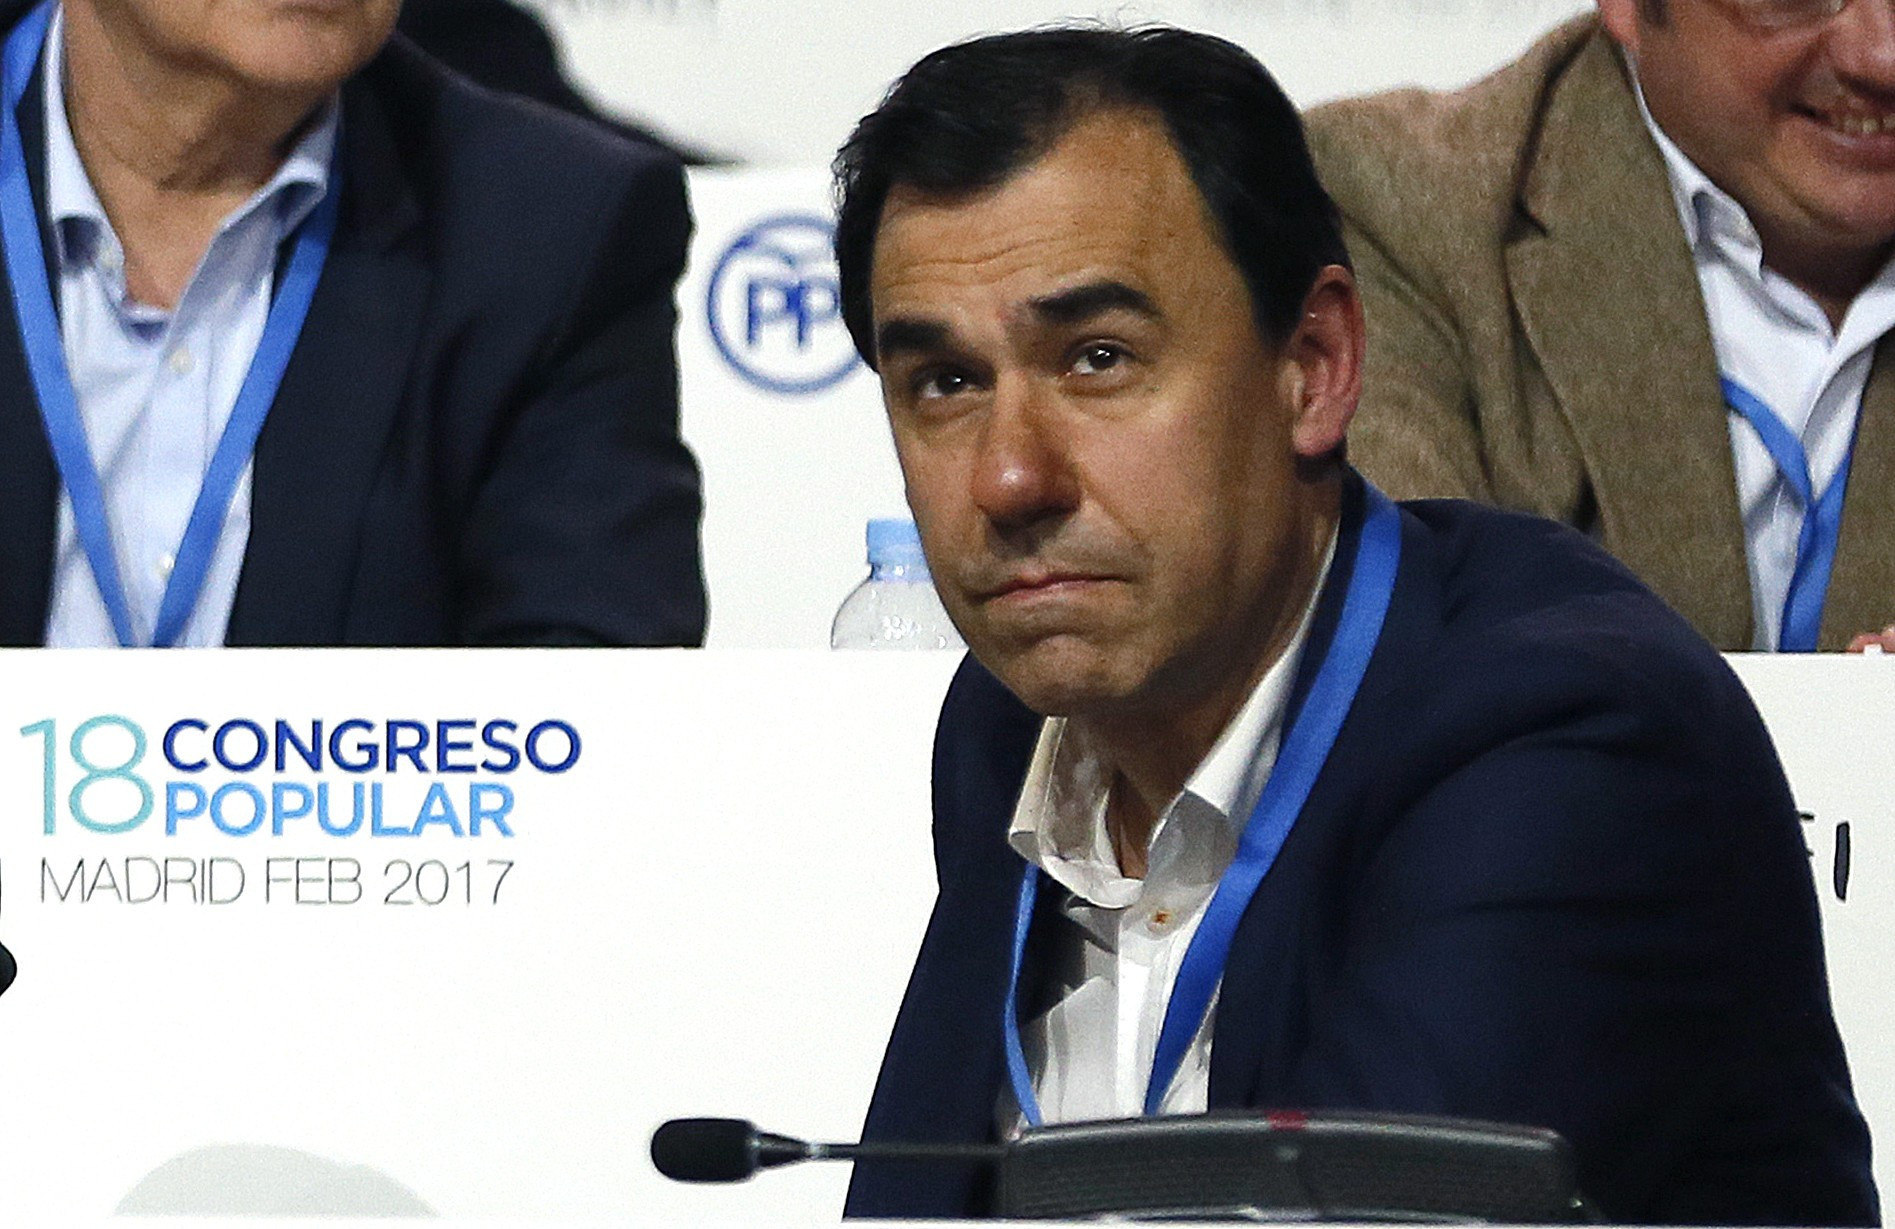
(1221, 1166)
(732, 1149)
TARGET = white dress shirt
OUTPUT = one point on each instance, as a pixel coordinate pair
(1091, 1052)
(1773, 338)
(155, 388)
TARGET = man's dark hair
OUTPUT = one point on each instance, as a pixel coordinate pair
(967, 117)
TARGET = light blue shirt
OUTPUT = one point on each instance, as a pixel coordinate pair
(155, 388)
(1774, 339)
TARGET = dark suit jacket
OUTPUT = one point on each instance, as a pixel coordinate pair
(1550, 874)
(507, 47)
(1537, 336)
(476, 440)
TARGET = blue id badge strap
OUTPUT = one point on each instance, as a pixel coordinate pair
(1822, 518)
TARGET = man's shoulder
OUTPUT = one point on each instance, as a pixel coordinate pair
(1528, 617)
(450, 132)
(517, 203)
(1464, 150)
(1490, 567)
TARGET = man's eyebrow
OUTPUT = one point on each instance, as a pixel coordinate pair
(1093, 299)
(902, 333)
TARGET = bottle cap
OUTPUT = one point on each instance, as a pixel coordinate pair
(894, 542)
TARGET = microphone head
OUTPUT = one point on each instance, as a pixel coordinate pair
(7, 969)
(705, 1149)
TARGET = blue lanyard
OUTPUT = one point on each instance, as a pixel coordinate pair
(1305, 748)
(59, 404)
(1822, 518)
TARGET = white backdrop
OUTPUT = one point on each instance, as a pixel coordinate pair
(712, 911)
(780, 82)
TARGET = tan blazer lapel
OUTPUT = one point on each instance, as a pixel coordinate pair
(1862, 585)
(1606, 291)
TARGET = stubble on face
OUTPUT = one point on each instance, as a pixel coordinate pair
(267, 47)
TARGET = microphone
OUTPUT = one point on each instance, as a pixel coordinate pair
(732, 1149)
(7, 969)
(1271, 1165)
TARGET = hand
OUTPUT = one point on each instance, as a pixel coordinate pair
(1874, 642)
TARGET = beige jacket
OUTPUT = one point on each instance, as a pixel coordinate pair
(1537, 338)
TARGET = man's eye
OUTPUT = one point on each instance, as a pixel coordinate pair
(1096, 358)
(938, 383)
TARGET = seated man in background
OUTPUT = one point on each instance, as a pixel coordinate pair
(1262, 791)
(312, 342)
(1638, 281)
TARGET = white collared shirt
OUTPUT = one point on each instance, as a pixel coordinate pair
(155, 388)
(1091, 1052)
(1773, 338)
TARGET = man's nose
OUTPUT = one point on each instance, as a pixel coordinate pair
(1024, 474)
(1862, 44)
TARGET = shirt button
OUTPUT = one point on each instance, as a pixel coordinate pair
(180, 360)
(166, 562)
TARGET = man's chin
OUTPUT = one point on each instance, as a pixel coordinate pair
(301, 56)
(1059, 676)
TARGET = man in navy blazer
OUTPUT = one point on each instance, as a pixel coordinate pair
(475, 440)
(1469, 821)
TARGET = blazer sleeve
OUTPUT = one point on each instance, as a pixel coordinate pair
(584, 529)
(1417, 431)
(1585, 905)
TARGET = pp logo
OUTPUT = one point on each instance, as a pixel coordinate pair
(775, 306)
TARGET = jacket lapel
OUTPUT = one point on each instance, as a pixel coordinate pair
(1609, 299)
(328, 429)
(29, 483)
(1862, 588)
(941, 1079)
(976, 968)
(29, 499)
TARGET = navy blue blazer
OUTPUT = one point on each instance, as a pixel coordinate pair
(1550, 874)
(476, 440)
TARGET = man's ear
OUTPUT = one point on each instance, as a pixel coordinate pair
(1620, 19)
(1325, 363)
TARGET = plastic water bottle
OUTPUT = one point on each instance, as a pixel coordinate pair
(896, 607)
